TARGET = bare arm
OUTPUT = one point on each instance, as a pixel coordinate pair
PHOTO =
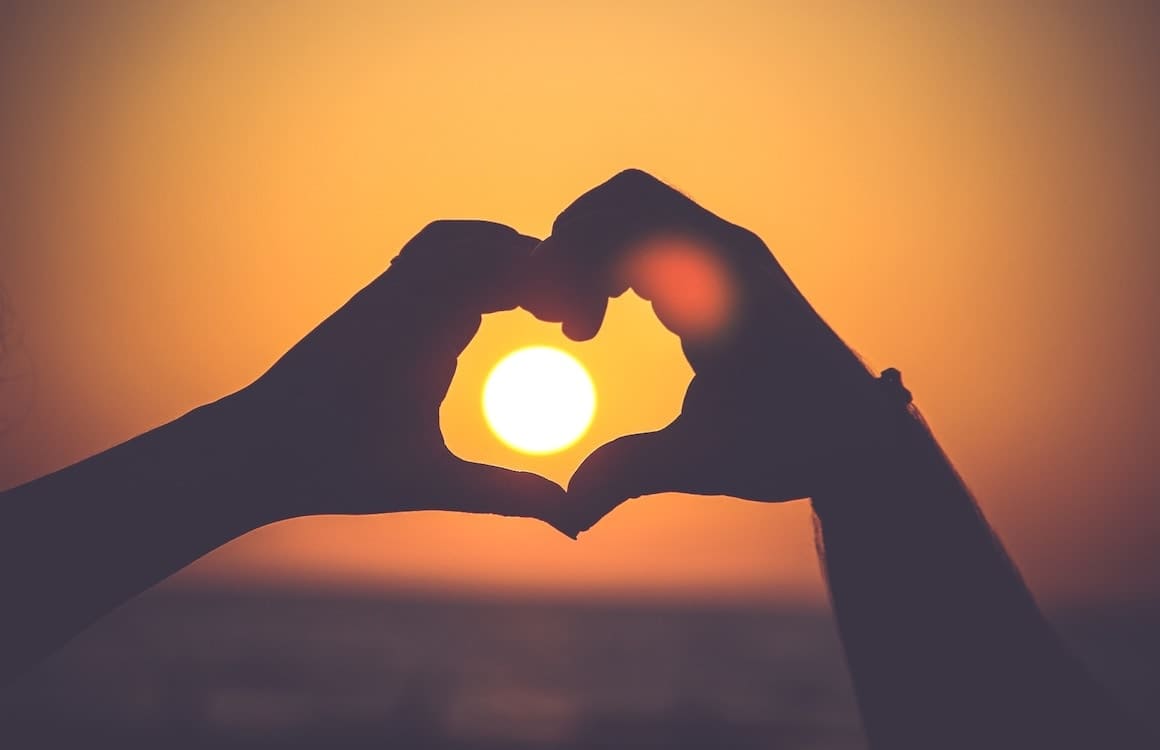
(346, 422)
(77, 543)
(945, 645)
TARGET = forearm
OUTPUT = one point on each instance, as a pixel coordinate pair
(946, 646)
(77, 543)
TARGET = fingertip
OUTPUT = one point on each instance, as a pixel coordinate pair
(593, 495)
(594, 510)
(482, 488)
(578, 331)
(547, 288)
(629, 467)
(571, 532)
(547, 501)
(566, 287)
(584, 322)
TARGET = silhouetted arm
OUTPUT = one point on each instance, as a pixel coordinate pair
(77, 543)
(945, 645)
(345, 422)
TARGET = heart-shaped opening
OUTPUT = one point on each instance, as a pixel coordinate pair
(637, 368)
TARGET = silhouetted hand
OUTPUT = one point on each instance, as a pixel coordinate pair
(352, 411)
(777, 399)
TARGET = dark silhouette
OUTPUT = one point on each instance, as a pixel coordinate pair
(346, 422)
(946, 647)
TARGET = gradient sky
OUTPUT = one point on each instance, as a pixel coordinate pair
(968, 194)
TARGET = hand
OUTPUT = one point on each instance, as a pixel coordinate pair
(777, 399)
(352, 411)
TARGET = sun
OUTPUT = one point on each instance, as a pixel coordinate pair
(539, 400)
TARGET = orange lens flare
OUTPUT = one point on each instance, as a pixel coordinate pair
(689, 285)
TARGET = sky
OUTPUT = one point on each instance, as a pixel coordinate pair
(965, 192)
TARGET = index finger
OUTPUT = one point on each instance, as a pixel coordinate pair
(470, 266)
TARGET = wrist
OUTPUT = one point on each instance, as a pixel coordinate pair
(876, 443)
(242, 443)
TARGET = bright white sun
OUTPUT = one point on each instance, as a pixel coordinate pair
(539, 400)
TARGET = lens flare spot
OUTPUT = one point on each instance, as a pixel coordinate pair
(688, 284)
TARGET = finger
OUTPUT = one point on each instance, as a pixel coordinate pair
(464, 266)
(442, 282)
(575, 266)
(562, 288)
(629, 467)
(480, 488)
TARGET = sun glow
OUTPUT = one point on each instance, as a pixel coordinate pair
(539, 400)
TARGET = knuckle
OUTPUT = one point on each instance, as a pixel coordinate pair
(438, 231)
(458, 230)
(453, 241)
(632, 174)
(640, 184)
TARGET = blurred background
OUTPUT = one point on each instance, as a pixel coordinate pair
(965, 192)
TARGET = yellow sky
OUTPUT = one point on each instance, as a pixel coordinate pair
(968, 195)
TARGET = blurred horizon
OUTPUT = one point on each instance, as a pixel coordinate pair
(247, 669)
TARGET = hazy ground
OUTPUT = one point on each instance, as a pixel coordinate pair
(199, 669)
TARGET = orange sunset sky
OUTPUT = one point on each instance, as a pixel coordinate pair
(967, 194)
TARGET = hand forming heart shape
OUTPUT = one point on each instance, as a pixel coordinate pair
(353, 407)
(350, 414)
(776, 395)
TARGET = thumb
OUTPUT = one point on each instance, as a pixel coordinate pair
(628, 467)
(482, 488)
